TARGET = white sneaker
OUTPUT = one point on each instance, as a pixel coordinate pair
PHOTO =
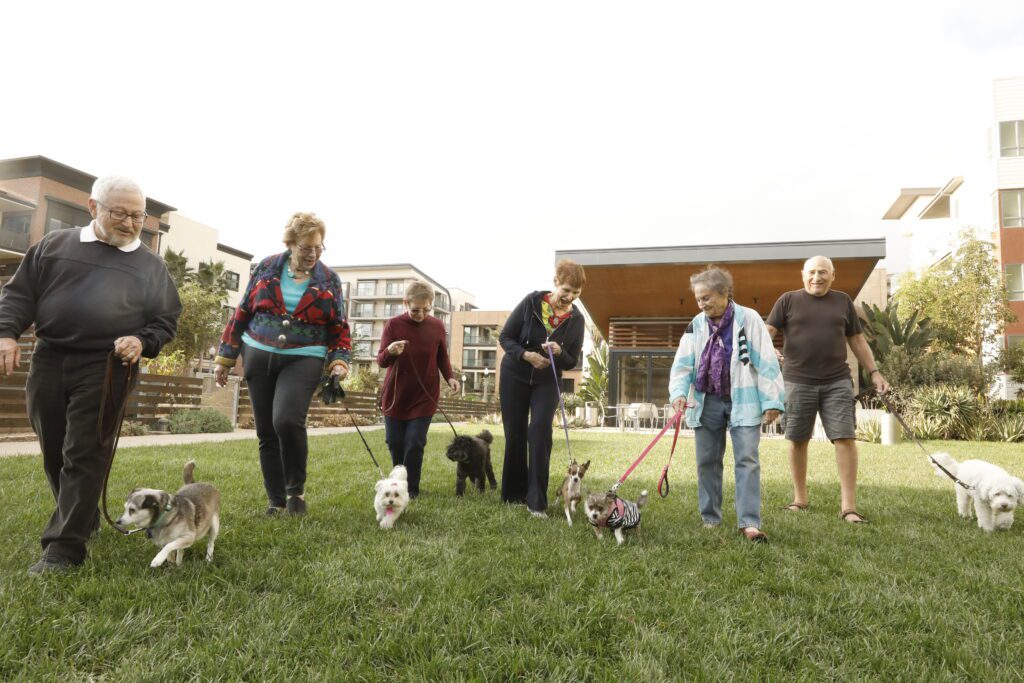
(538, 514)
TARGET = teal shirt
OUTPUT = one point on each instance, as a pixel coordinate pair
(292, 292)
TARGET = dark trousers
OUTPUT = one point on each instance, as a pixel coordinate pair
(280, 388)
(63, 394)
(526, 414)
(406, 440)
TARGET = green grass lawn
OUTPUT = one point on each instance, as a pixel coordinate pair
(475, 590)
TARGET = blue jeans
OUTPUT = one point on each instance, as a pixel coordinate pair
(406, 440)
(710, 438)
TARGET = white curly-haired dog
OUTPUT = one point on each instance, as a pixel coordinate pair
(996, 492)
(392, 497)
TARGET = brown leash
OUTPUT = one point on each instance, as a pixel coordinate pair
(110, 431)
(910, 432)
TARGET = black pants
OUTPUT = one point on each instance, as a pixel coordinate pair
(280, 388)
(63, 394)
(406, 440)
(526, 414)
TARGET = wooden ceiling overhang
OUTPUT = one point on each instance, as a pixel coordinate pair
(654, 282)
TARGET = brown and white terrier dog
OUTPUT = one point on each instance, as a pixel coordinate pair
(571, 490)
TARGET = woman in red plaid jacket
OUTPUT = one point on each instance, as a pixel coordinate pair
(289, 325)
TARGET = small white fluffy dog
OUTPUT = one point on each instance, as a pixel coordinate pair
(392, 497)
(996, 492)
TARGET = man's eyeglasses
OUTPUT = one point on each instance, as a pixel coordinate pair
(309, 251)
(423, 311)
(120, 214)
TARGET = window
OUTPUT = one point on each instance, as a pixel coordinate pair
(1011, 138)
(60, 216)
(395, 287)
(362, 311)
(441, 301)
(366, 288)
(1013, 208)
(478, 358)
(14, 230)
(1013, 340)
(478, 336)
(361, 349)
(363, 330)
(391, 310)
(1014, 281)
(231, 280)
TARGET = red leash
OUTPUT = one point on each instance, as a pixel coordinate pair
(663, 481)
(676, 419)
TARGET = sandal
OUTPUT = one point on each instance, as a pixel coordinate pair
(754, 534)
(796, 507)
(853, 517)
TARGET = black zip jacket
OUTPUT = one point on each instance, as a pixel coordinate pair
(524, 331)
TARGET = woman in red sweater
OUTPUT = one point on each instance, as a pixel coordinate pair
(414, 350)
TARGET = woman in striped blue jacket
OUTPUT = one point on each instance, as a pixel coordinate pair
(727, 377)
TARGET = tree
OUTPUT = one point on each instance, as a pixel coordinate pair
(201, 321)
(212, 275)
(1011, 361)
(177, 266)
(964, 296)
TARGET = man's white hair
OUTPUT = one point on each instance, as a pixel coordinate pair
(827, 260)
(102, 188)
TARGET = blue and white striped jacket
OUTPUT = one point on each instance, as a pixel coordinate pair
(756, 378)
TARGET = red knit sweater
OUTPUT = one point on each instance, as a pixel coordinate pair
(426, 354)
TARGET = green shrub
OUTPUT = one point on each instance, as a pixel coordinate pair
(870, 431)
(202, 421)
(1009, 428)
(133, 428)
(1004, 407)
(927, 428)
(955, 409)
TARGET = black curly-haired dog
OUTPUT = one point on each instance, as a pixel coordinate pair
(472, 455)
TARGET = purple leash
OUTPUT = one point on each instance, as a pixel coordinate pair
(561, 403)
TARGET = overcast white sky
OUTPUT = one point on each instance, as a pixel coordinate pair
(473, 139)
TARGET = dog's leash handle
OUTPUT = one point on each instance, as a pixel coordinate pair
(663, 485)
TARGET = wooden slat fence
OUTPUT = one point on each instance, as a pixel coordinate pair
(155, 396)
(365, 405)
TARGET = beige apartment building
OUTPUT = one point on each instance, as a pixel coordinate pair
(374, 294)
(199, 243)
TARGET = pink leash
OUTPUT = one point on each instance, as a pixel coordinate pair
(675, 421)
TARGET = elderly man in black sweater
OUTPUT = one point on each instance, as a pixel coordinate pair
(90, 291)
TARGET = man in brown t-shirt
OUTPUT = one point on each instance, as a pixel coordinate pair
(818, 324)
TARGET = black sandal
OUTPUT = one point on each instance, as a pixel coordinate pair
(857, 517)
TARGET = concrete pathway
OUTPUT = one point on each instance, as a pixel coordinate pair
(32, 447)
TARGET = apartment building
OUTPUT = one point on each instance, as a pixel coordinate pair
(375, 293)
(1007, 155)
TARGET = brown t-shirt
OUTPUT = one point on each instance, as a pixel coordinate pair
(815, 328)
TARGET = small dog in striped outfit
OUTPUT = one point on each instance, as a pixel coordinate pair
(617, 514)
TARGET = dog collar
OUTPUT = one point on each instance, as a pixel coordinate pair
(159, 519)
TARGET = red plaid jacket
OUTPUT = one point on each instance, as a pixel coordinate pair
(318, 320)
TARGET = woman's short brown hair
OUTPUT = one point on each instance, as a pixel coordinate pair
(418, 289)
(568, 272)
(301, 225)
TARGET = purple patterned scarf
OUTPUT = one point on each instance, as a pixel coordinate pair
(713, 369)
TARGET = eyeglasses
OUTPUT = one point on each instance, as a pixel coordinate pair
(309, 251)
(424, 311)
(120, 214)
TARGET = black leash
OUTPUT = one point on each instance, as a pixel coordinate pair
(111, 433)
(561, 402)
(331, 391)
(892, 411)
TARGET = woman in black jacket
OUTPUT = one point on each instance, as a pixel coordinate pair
(529, 396)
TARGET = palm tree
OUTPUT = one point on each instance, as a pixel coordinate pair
(211, 275)
(177, 266)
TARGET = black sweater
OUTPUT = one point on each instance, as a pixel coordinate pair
(524, 331)
(84, 295)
